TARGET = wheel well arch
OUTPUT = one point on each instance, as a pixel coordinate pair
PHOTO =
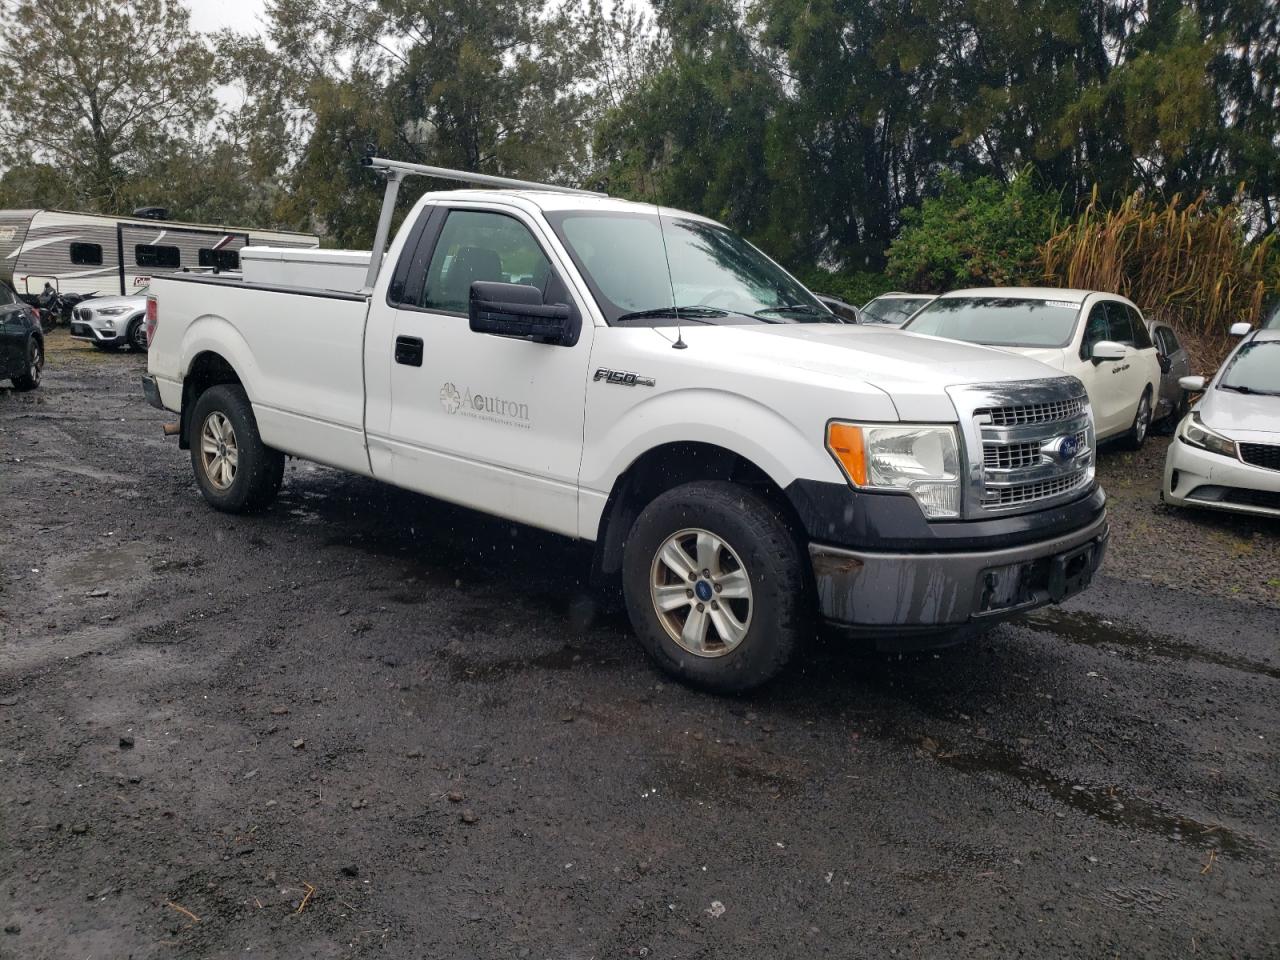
(663, 468)
(208, 369)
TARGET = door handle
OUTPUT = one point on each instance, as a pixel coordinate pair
(409, 351)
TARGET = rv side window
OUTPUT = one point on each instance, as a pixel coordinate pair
(149, 255)
(221, 259)
(86, 254)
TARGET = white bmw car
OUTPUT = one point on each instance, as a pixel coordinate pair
(1226, 454)
(111, 322)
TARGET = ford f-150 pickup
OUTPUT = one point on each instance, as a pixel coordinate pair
(643, 378)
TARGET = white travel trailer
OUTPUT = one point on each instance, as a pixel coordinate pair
(90, 253)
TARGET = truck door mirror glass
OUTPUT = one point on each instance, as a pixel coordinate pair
(516, 310)
(1109, 350)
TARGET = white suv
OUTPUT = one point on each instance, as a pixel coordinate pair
(1101, 338)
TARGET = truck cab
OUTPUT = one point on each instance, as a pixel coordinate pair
(643, 378)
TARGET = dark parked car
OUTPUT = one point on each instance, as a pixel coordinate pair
(1171, 405)
(21, 341)
(845, 311)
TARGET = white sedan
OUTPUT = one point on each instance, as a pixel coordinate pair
(1226, 455)
(1100, 338)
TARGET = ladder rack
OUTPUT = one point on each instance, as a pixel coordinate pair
(397, 170)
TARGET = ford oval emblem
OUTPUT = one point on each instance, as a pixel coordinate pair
(1068, 447)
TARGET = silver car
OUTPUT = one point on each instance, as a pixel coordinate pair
(112, 322)
(1172, 404)
(1226, 454)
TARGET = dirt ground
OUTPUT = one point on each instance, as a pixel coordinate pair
(366, 724)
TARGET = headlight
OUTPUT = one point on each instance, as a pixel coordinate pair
(110, 311)
(1195, 433)
(920, 459)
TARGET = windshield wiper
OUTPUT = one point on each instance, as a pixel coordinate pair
(1241, 388)
(792, 308)
(692, 313)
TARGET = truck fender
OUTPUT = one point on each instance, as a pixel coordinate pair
(211, 333)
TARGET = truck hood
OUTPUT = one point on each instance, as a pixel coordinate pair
(1055, 357)
(913, 369)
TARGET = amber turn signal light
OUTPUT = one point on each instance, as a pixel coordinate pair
(844, 440)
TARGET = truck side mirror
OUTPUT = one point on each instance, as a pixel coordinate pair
(1192, 384)
(1108, 350)
(516, 310)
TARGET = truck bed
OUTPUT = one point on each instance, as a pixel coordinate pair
(298, 351)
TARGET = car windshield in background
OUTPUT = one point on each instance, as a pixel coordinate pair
(999, 321)
(1254, 369)
(895, 310)
(716, 276)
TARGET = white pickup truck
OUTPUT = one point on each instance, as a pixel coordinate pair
(744, 462)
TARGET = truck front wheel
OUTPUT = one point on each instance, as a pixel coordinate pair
(234, 469)
(715, 587)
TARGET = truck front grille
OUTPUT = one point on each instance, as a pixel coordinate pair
(1035, 491)
(1029, 445)
(1261, 454)
(1010, 456)
(1034, 412)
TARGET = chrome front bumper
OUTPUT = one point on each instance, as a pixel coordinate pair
(922, 593)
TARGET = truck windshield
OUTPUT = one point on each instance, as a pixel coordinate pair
(715, 274)
(999, 321)
(1254, 369)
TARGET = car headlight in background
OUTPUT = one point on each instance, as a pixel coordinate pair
(110, 311)
(1195, 433)
(920, 459)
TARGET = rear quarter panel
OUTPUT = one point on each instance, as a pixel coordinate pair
(299, 358)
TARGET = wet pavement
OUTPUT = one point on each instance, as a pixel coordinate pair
(369, 724)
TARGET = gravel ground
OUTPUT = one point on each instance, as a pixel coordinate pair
(367, 724)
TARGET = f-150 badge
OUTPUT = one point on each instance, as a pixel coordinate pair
(622, 378)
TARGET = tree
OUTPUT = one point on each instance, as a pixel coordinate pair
(97, 88)
(977, 232)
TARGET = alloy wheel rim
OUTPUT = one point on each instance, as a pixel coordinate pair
(219, 452)
(37, 364)
(1144, 415)
(701, 592)
(139, 337)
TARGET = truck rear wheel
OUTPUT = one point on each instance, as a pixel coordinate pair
(715, 587)
(234, 469)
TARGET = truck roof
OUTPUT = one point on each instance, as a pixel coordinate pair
(550, 200)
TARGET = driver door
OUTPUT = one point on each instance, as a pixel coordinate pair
(486, 421)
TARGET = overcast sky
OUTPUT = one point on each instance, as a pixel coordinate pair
(244, 16)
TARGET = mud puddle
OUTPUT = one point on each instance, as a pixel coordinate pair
(1093, 630)
(1109, 804)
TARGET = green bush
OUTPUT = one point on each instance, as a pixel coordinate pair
(853, 286)
(974, 233)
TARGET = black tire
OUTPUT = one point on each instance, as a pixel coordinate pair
(35, 366)
(254, 479)
(136, 336)
(1137, 433)
(759, 542)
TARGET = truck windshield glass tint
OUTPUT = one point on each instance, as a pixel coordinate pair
(1256, 368)
(999, 321)
(621, 257)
